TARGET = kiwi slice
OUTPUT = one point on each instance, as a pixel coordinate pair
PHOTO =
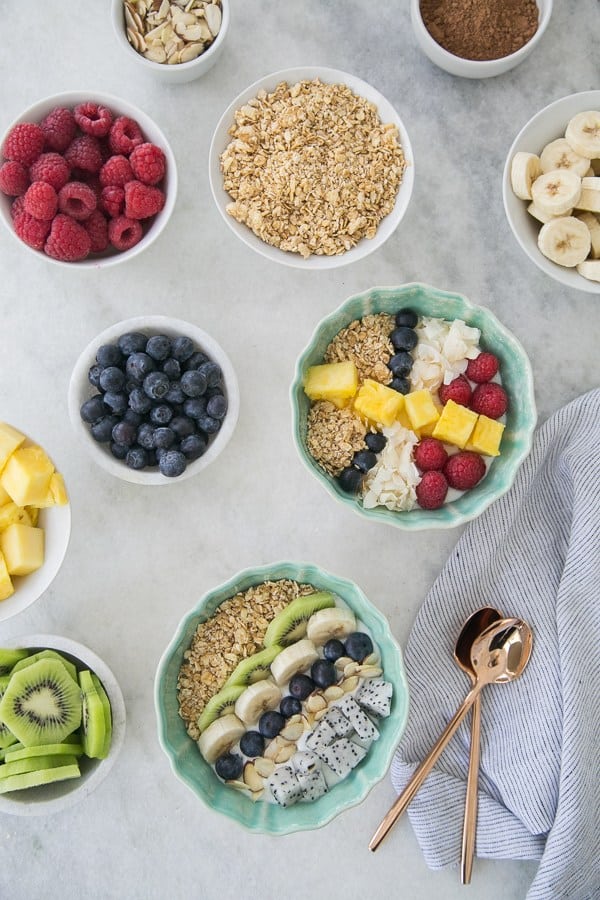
(254, 667)
(63, 749)
(220, 705)
(8, 658)
(9, 749)
(41, 704)
(35, 764)
(289, 625)
(47, 654)
(107, 715)
(92, 718)
(41, 776)
(6, 736)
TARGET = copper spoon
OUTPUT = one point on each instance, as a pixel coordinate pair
(475, 624)
(498, 655)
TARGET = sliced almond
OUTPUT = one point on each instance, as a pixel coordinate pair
(238, 785)
(193, 32)
(132, 37)
(316, 702)
(350, 684)
(257, 795)
(212, 14)
(252, 778)
(370, 671)
(292, 731)
(371, 660)
(274, 747)
(264, 766)
(190, 52)
(156, 54)
(342, 662)
(285, 753)
(164, 9)
(319, 715)
(333, 693)
(351, 669)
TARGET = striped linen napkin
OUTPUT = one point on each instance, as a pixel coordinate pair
(535, 553)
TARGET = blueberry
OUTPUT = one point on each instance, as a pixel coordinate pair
(195, 407)
(323, 673)
(364, 460)
(112, 379)
(406, 318)
(139, 402)
(138, 366)
(212, 372)
(301, 686)
(172, 463)
(124, 433)
(174, 394)
(156, 385)
(208, 424)
(136, 458)
(350, 479)
(182, 348)
(333, 649)
(145, 436)
(229, 766)
(270, 723)
(171, 368)
(402, 385)
(195, 360)
(182, 426)
(403, 338)
(401, 363)
(93, 409)
(151, 457)
(290, 706)
(217, 406)
(161, 414)
(132, 417)
(193, 383)
(193, 446)
(94, 375)
(375, 441)
(117, 403)
(102, 429)
(132, 342)
(358, 645)
(252, 743)
(158, 347)
(109, 355)
(163, 438)
(119, 451)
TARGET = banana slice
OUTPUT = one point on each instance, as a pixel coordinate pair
(524, 170)
(590, 195)
(257, 699)
(220, 737)
(556, 192)
(593, 223)
(560, 155)
(542, 216)
(583, 134)
(330, 623)
(590, 269)
(293, 659)
(565, 241)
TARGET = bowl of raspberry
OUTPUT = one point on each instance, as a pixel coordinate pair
(86, 179)
(413, 407)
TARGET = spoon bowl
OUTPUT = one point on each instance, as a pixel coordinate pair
(473, 627)
(501, 651)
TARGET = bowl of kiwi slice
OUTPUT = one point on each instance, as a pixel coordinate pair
(62, 724)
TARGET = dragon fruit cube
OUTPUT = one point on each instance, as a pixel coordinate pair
(284, 786)
(376, 697)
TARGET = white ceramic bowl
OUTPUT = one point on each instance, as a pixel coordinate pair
(471, 68)
(52, 798)
(386, 112)
(547, 125)
(80, 390)
(182, 72)
(152, 133)
(56, 522)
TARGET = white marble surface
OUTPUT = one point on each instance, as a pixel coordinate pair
(140, 558)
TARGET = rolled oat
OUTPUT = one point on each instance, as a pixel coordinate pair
(333, 436)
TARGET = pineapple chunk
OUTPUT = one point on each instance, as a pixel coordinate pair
(379, 404)
(34, 514)
(11, 514)
(4, 497)
(57, 493)
(26, 476)
(421, 410)
(10, 440)
(336, 382)
(455, 424)
(6, 585)
(23, 548)
(486, 437)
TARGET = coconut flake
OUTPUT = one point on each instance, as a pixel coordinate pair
(393, 479)
(442, 352)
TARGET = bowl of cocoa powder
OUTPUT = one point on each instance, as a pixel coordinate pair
(479, 38)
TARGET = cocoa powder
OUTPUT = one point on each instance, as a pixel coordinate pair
(480, 29)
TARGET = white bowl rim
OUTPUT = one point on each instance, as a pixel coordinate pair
(154, 323)
(365, 246)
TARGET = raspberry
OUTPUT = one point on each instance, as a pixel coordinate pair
(41, 201)
(112, 200)
(97, 228)
(18, 206)
(489, 400)
(430, 454)
(77, 200)
(148, 163)
(482, 368)
(59, 128)
(68, 240)
(142, 201)
(124, 233)
(458, 390)
(432, 490)
(124, 135)
(84, 153)
(464, 470)
(116, 170)
(14, 179)
(93, 118)
(32, 231)
(24, 143)
(51, 168)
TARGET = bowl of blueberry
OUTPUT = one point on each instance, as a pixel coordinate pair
(154, 399)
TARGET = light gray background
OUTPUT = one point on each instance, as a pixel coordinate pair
(140, 558)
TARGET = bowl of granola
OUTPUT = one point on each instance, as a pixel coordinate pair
(288, 167)
(413, 407)
(281, 697)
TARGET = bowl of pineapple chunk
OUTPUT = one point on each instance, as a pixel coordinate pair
(35, 521)
(413, 406)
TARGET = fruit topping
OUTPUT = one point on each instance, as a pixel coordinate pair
(464, 470)
(252, 743)
(24, 143)
(375, 441)
(482, 368)
(333, 650)
(430, 454)
(296, 657)
(364, 460)
(336, 382)
(489, 400)
(290, 706)
(358, 645)
(337, 622)
(270, 724)
(458, 390)
(323, 673)
(229, 766)
(255, 700)
(431, 490)
(301, 686)
(290, 624)
(350, 479)
(404, 338)
(455, 424)
(406, 318)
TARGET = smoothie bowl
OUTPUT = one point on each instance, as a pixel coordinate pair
(281, 698)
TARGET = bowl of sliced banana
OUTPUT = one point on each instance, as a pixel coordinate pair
(551, 190)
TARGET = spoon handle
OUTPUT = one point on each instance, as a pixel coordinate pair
(424, 769)
(470, 822)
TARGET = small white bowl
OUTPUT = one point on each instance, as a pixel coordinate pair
(81, 390)
(152, 133)
(473, 68)
(52, 798)
(547, 125)
(56, 522)
(387, 114)
(182, 72)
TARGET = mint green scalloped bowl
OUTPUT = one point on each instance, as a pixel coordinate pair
(185, 758)
(517, 380)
